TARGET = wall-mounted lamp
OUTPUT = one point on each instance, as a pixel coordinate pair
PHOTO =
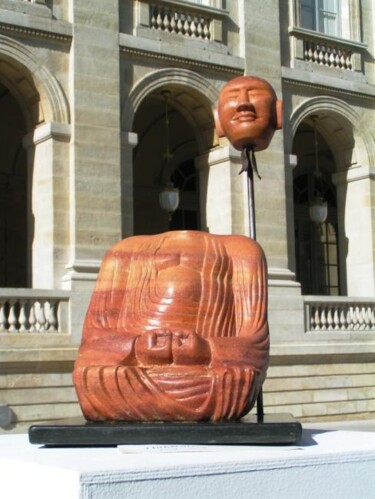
(318, 208)
(169, 196)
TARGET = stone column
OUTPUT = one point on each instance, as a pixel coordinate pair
(260, 31)
(95, 167)
(355, 200)
(48, 167)
(222, 192)
(95, 177)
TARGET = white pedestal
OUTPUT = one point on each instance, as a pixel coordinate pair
(326, 464)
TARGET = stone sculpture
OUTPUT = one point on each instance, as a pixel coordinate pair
(248, 113)
(176, 330)
(177, 325)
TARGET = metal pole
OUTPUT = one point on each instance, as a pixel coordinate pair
(249, 165)
(251, 203)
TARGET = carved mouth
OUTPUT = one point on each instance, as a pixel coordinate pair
(243, 116)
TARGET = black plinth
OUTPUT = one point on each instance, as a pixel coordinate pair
(273, 429)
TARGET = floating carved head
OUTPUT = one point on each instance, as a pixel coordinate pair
(248, 112)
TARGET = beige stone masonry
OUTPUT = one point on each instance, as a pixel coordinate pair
(48, 162)
(95, 186)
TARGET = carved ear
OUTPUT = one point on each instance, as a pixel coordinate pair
(279, 114)
(218, 127)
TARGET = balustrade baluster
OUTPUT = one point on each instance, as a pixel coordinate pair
(323, 318)
(372, 318)
(180, 25)
(13, 316)
(186, 28)
(336, 317)
(32, 318)
(153, 18)
(332, 61)
(193, 28)
(348, 62)
(315, 55)
(349, 318)
(166, 23)
(361, 317)
(23, 316)
(52, 316)
(329, 318)
(3, 316)
(311, 315)
(199, 29)
(159, 21)
(206, 31)
(343, 321)
(367, 317)
(354, 318)
(41, 317)
(317, 315)
(321, 55)
(173, 24)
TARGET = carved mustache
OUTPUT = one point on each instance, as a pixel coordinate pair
(245, 112)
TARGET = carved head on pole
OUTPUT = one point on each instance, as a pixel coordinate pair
(248, 113)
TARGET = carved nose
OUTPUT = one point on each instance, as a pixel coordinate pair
(244, 103)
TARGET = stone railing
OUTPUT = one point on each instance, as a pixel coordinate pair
(339, 313)
(328, 51)
(24, 311)
(181, 18)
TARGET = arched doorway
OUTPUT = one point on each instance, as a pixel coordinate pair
(316, 245)
(15, 253)
(165, 153)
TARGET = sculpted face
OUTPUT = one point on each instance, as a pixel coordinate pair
(248, 112)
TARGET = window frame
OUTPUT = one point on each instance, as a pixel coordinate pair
(317, 19)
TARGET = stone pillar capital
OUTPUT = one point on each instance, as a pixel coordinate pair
(51, 130)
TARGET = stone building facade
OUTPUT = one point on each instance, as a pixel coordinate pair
(104, 102)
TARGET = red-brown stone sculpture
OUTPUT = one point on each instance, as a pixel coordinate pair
(248, 112)
(176, 330)
(177, 325)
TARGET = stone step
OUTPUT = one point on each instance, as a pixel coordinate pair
(313, 396)
(339, 409)
(318, 382)
(45, 412)
(35, 380)
(38, 395)
(321, 369)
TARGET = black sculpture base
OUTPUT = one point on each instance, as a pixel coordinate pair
(272, 429)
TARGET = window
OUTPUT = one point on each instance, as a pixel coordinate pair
(321, 15)
(208, 3)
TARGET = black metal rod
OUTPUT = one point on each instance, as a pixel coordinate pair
(247, 165)
(251, 203)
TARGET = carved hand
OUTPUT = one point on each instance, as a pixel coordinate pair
(189, 348)
(154, 347)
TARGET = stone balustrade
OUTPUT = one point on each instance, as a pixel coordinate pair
(339, 314)
(193, 21)
(328, 51)
(24, 311)
(180, 21)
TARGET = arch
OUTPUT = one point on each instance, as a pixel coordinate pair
(39, 79)
(177, 79)
(343, 129)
